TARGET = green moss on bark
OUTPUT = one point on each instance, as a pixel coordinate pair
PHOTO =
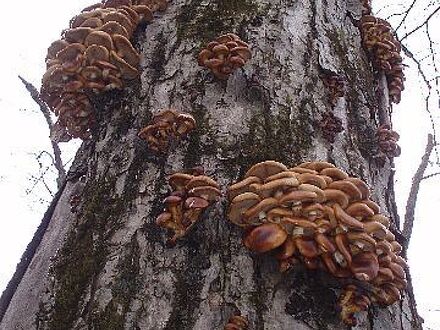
(84, 253)
(204, 22)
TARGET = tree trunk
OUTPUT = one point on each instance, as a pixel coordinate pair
(107, 265)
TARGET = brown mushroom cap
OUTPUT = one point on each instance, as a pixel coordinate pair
(196, 203)
(365, 266)
(264, 238)
(201, 180)
(99, 38)
(121, 19)
(242, 186)
(265, 169)
(241, 204)
(279, 185)
(95, 53)
(128, 72)
(125, 50)
(209, 193)
(307, 247)
(179, 180)
(114, 28)
(185, 123)
(259, 211)
(297, 196)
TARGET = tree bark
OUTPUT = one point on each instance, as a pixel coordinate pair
(107, 266)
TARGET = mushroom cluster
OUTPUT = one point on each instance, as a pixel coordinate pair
(335, 84)
(237, 322)
(167, 126)
(192, 193)
(384, 49)
(352, 300)
(315, 214)
(366, 7)
(224, 55)
(388, 141)
(93, 55)
(330, 126)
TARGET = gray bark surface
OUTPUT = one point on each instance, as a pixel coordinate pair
(107, 266)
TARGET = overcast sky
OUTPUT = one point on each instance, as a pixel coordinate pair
(23, 134)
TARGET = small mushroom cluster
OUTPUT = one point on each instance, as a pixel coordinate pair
(335, 83)
(237, 322)
(93, 55)
(352, 300)
(366, 7)
(330, 126)
(388, 141)
(384, 49)
(167, 126)
(225, 55)
(315, 214)
(192, 193)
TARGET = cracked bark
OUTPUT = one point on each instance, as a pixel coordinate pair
(107, 267)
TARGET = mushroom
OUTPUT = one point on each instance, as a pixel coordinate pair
(224, 55)
(265, 237)
(384, 49)
(330, 126)
(237, 322)
(183, 207)
(166, 126)
(317, 215)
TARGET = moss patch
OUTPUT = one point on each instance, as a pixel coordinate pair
(125, 287)
(205, 22)
(83, 255)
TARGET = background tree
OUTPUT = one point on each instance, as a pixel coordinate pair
(114, 269)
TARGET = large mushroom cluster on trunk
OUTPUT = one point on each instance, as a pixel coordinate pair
(384, 50)
(166, 127)
(317, 215)
(237, 322)
(224, 55)
(387, 139)
(93, 55)
(192, 193)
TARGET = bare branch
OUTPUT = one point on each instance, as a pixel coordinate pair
(411, 6)
(58, 163)
(412, 198)
(430, 176)
(421, 25)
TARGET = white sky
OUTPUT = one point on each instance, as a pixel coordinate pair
(23, 133)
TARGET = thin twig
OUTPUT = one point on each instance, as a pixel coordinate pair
(421, 25)
(58, 163)
(415, 187)
(411, 6)
(430, 176)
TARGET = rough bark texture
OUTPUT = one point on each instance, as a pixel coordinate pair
(107, 266)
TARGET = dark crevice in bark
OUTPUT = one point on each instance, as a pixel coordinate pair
(188, 285)
(259, 296)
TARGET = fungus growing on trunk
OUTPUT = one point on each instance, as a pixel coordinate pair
(330, 126)
(317, 215)
(93, 55)
(384, 50)
(335, 84)
(237, 322)
(225, 55)
(167, 126)
(387, 140)
(192, 194)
